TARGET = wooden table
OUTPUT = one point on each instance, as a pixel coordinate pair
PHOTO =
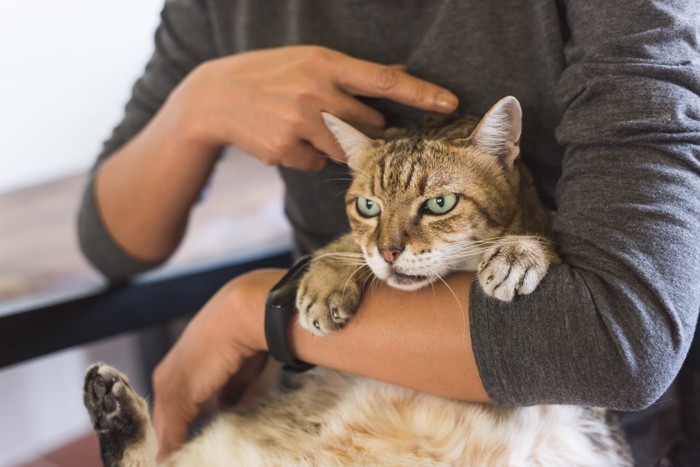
(51, 298)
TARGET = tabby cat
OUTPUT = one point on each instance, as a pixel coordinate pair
(423, 202)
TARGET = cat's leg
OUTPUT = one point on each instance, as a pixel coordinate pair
(120, 419)
(515, 265)
(330, 291)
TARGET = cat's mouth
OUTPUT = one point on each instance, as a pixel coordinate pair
(407, 281)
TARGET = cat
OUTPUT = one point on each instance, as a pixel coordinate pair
(423, 202)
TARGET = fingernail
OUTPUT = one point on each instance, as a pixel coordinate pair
(446, 101)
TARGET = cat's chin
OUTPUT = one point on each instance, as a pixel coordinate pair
(406, 282)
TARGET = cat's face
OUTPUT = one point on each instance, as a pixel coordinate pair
(418, 207)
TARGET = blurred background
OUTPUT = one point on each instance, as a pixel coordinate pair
(66, 69)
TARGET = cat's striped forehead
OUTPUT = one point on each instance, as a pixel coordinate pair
(408, 165)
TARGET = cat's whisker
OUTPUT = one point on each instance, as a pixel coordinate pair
(464, 253)
(480, 244)
(348, 262)
(343, 255)
(472, 247)
(337, 180)
(461, 309)
(373, 283)
(368, 276)
(506, 239)
(468, 248)
(345, 285)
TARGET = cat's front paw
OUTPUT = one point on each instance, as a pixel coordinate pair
(515, 266)
(327, 299)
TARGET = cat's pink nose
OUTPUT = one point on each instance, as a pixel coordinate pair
(390, 254)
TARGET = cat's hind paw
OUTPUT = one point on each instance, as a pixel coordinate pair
(118, 414)
(515, 266)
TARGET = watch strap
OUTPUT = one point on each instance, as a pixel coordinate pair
(279, 310)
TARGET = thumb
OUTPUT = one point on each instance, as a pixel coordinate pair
(173, 409)
(171, 425)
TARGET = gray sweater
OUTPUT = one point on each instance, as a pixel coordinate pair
(610, 96)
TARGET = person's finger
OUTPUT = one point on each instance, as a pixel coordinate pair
(349, 109)
(321, 140)
(238, 384)
(170, 426)
(370, 79)
(345, 107)
(262, 384)
(399, 66)
(307, 157)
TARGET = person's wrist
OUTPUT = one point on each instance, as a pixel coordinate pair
(248, 294)
(184, 114)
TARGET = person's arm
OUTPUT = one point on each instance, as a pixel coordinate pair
(267, 103)
(611, 326)
(182, 42)
(422, 343)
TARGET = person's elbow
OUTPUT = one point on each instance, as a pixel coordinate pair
(103, 253)
(648, 369)
(640, 392)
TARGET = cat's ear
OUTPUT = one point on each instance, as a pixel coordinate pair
(498, 132)
(352, 141)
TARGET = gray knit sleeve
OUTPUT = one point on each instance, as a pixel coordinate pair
(612, 325)
(183, 40)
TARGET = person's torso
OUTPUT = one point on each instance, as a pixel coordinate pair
(481, 51)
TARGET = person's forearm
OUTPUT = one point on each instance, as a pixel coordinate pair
(415, 339)
(146, 189)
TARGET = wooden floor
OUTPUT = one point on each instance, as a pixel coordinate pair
(81, 452)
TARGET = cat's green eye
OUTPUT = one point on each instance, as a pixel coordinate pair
(367, 207)
(441, 204)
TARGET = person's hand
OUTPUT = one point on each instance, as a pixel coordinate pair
(268, 102)
(223, 346)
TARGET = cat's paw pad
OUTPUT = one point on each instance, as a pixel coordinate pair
(323, 309)
(108, 398)
(514, 267)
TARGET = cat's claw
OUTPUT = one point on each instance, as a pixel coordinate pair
(514, 267)
(325, 303)
(325, 314)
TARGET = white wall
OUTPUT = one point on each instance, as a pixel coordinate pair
(66, 69)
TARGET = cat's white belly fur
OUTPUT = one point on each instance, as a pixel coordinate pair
(365, 422)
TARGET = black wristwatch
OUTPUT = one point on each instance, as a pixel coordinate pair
(279, 309)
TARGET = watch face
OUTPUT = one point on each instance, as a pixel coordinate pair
(284, 293)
